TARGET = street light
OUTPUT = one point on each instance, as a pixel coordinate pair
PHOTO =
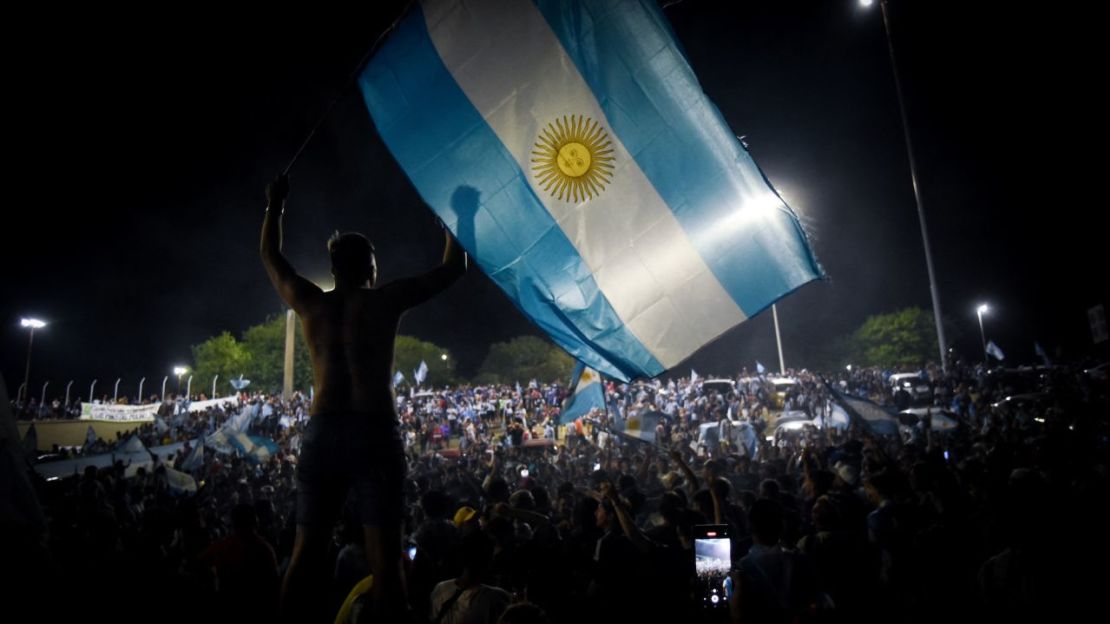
(933, 290)
(179, 371)
(980, 311)
(33, 324)
(443, 357)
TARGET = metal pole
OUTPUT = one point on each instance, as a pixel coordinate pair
(934, 291)
(983, 335)
(290, 333)
(115, 393)
(27, 372)
(778, 338)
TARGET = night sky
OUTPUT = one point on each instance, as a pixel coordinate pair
(142, 145)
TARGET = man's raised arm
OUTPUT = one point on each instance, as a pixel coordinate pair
(293, 289)
(412, 291)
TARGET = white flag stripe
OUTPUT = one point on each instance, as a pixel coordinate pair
(513, 69)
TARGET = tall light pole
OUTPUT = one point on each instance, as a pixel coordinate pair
(33, 324)
(778, 339)
(179, 371)
(980, 311)
(933, 290)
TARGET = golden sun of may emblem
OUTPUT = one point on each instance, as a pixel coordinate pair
(573, 158)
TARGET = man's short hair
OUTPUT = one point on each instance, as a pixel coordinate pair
(351, 254)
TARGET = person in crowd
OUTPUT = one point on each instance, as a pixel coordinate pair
(352, 441)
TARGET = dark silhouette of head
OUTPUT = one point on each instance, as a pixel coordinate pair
(244, 519)
(766, 522)
(352, 259)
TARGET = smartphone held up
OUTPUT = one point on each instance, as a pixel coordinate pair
(712, 563)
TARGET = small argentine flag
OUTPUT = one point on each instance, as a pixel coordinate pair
(568, 146)
(640, 425)
(875, 417)
(994, 351)
(587, 393)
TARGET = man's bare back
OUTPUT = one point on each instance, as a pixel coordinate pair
(351, 330)
(350, 335)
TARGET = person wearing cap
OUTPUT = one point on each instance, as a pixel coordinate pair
(466, 518)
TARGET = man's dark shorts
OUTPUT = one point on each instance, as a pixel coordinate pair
(343, 452)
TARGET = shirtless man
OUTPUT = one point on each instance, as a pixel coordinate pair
(352, 440)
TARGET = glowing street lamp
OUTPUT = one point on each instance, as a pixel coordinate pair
(980, 311)
(179, 371)
(33, 324)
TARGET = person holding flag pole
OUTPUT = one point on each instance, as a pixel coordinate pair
(351, 441)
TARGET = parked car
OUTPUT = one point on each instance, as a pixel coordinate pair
(1027, 407)
(943, 420)
(782, 385)
(910, 389)
(723, 387)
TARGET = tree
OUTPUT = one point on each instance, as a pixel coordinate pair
(408, 352)
(266, 344)
(219, 355)
(524, 358)
(904, 339)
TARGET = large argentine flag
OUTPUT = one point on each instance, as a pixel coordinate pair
(572, 152)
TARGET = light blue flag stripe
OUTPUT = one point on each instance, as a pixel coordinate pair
(434, 131)
(627, 54)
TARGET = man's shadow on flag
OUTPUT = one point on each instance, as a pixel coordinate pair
(464, 203)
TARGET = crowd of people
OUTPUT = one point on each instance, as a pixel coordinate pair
(513, 516)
